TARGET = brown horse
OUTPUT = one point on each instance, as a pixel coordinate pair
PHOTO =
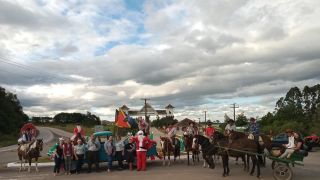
(242, 143)
(167, 148)
(30, 151)
(264, 143)
(192, 147)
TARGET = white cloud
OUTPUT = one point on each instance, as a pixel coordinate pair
(98, 55)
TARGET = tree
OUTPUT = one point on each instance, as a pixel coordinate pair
(12, 116)
(242, 120)
(164, 121)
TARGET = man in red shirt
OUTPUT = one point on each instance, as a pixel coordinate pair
(209, 131)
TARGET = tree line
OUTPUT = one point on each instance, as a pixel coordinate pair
(12, 116)
(298, 110)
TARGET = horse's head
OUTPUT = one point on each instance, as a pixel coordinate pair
(199, 139)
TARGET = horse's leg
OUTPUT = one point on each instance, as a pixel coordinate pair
(20, 158)
(188, 157)
(169, 154)
(37, 170)
(248, 162)
(204, 160)
(254, 163)
(29, 164)
(198, 156)
(164, 158)
(258, 171)
(224, 161)
(237, 160)
(193, 161)
(228, 169)
(244, 162)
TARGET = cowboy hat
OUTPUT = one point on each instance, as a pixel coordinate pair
(209, 122)
(230, 120)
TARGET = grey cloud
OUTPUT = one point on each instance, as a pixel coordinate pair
(14, 15)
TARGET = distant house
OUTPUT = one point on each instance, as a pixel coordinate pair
(149, 110)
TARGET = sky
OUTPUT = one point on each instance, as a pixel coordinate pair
(96, 55)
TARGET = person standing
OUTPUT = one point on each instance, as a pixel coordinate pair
(109, 148)
(79, 151)
(93, 147)
(68, 153)
(58, 155)
(130, 149)
(119, 152)
(142, 143)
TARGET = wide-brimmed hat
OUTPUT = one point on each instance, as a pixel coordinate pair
(230, 120)
(209, 122)
(252, 119)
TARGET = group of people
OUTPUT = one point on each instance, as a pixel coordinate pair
(295, 144)
(67, 151)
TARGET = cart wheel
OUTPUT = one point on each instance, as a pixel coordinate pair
(274, 164)
(282, 172)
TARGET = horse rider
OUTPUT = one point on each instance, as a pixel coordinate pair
(191, 131)
(209, 131)
(254, 133)
(172, 131)
(229, 127)
(254, 128)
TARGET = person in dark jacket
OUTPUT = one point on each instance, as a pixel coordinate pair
(58, 156)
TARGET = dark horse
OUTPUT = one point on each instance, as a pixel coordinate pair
(222, 147)
(30, 151)
(191, 147)
(167, 148)
(239, 141)
(263, 141)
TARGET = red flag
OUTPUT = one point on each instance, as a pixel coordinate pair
(121, 119)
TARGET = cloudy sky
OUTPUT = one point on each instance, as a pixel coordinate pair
(92, 55)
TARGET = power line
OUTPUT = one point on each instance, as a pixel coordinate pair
(31, 69)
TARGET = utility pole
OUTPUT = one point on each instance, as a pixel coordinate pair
(234, 106)
(205, 118)
(145, 109)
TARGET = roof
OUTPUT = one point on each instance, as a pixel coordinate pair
(124, 107)
(148, 107)
(185, 122)
(169, 107)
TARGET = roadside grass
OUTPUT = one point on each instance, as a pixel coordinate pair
(44, 159)
(8, 140)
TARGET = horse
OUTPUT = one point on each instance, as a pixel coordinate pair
(191, 146)
(30, 151)
(264, 143)
(243, 143)
(167, 148)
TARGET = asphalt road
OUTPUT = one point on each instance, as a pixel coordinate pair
(49, 136)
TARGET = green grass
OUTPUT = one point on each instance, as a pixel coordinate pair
(44, 159)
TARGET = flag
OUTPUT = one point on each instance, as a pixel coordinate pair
(132, 122)
(121, 119)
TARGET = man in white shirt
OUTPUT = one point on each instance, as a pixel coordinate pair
(229, 127)
(290, 146)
